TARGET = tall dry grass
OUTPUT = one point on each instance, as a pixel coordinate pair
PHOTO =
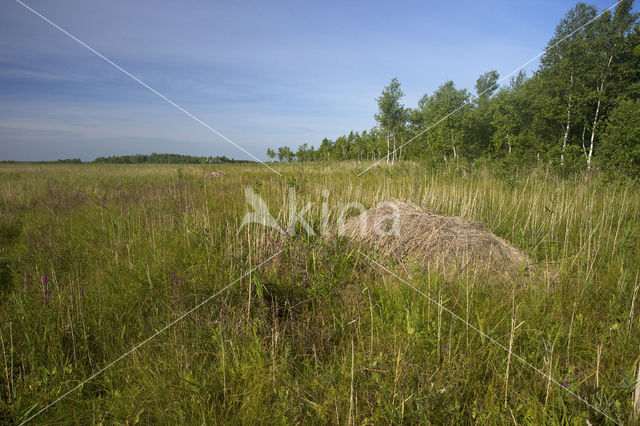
(320, 334)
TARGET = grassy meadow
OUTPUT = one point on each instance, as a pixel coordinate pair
(97, 258)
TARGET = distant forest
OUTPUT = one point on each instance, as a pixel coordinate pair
(165, 159)
(148, 159)
(579, 109)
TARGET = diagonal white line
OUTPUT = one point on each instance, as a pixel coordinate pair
(492, 87)
(145, 85)
(163, 329)
(491, 339)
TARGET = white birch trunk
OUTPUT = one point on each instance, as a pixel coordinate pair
(584, 148)
(453, 145)
(568, 126)
(387, 147)
(393, 160)
(595, 119)
(593, 129)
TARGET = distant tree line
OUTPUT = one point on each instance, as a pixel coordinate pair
(145, 159)
(59, 160)
(165, 159)
(580, 108)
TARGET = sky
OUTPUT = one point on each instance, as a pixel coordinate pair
(263, 74)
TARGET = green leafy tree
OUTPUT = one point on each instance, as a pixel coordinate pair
(271, 153)
(325, 150)
(608, 35)
(391, 114)
(564, 74)
(486, 85)
(444, 114)
(305, 153)
(508, 108)
(480, 120)
(285, 154)
(621, 138)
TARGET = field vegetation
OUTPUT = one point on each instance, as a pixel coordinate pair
(97, 258)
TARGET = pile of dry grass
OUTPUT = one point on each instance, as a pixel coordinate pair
(215, 174)
(445, 243)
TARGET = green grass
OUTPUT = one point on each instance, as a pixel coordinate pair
(319, 334)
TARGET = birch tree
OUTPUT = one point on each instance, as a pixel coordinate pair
(607, 39)
(508, 108)
(564, 69)
(391, 114)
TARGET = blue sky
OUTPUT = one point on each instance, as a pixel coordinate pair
(264, 74)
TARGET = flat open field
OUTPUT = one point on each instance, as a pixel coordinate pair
(142, 279)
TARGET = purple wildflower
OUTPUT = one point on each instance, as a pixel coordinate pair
(81, 292)
(565, 384)
(45, 279)
(27, 281)
(328, 266)
(174, 278)
(47, 294)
